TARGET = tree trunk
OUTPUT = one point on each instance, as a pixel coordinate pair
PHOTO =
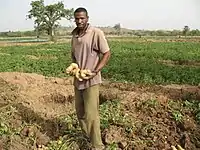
(51, 32)
(37, 33)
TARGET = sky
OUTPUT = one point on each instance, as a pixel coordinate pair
(132, 14)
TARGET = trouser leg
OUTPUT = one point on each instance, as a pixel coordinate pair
(79, 106)
(92, 119)
(87, 109)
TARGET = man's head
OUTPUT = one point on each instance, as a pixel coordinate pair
(81, 17)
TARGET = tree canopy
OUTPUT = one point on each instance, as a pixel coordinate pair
(46, 17)
(117, 27)
(186, 29)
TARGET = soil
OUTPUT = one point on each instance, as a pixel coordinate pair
(42, 100)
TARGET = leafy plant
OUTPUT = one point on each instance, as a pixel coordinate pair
(177, 116)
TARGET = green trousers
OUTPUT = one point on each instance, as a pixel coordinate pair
(87, 109)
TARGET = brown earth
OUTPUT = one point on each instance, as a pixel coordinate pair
(42, 100)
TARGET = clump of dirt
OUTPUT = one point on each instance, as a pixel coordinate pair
(159, 116)
(42, 95)
(8, 92)
(18, 134)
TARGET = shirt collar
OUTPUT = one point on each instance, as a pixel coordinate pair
(75, 31)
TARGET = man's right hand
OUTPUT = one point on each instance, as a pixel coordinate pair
(89, 76)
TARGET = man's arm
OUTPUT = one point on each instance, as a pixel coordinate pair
(73, 57)
(103, 61)
(72, 52)
(104, 49)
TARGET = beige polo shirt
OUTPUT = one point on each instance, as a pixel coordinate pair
(86, 50)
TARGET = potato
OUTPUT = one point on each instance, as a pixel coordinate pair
(178, 146)
(80, 74)
(173, 148)
(71, 67)
(85, 72)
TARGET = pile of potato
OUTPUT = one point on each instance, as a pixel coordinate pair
(80, 74)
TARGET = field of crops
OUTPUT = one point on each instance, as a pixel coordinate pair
(150, 98)
(152, 62)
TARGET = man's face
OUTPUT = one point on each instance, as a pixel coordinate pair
(81, 19)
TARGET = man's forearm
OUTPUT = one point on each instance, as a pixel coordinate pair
(73, 58)
(102, 62)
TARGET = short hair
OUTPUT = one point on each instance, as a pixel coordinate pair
(81, 9)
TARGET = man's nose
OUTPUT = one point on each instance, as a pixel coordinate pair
(79, 20)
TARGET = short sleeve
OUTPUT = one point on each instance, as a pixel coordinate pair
(72, 51)
(102, 42)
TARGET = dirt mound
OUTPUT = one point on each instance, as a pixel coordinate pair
(133, 116)
(48, 97)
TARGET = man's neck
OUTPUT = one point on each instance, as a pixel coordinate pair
(81, 31)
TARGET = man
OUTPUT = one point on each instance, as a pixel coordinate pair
(88, 43)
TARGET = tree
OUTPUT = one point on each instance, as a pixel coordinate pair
(47, 17)
(117, 27)
(195, 32)
(186, 29)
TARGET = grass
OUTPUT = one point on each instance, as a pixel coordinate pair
(130, 62)
(178, 109)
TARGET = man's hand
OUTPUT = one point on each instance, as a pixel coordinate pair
(89, 75)
(80, 74)
(71, 68)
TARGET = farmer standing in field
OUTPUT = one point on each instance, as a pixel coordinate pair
(88, 43)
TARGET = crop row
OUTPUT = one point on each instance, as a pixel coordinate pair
(130, 61)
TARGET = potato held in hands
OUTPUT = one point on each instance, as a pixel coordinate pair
(78, 73)
(86, 74)
(72, 68)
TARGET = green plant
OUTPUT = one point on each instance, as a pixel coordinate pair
(194, 107)
(177, 116)
(146, 67)
(111, 113)
(112, 146)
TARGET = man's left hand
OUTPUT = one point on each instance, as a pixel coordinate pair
(90, 76)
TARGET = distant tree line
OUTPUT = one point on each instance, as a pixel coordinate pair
(64, 31)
